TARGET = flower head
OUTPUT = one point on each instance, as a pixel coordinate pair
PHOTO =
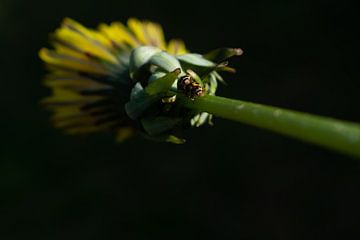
(126, 79)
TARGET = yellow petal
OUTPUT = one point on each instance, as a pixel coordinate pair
(86, 32)
(88, 128)
(62, 60)
(84, 130)
(119, 34)
(66, 111)
(72, 81)
(63, 96)
(74, 121)
(176, 47)
(137, 28)
(85, 44)
(155, 35)
(124, 133)
(61, 49)
(70, 111)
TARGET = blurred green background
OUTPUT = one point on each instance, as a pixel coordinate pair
(229, 181)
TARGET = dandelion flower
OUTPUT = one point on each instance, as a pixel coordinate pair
(92, 78)
(128, 79)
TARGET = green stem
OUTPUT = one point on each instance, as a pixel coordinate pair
(331, 133)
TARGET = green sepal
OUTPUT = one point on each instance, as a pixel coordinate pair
(162, 84)
(136, 91)
(213, 83)
(226, 69)
(196, 60)
(139, 58)
(165, 61)
(164, 138)
(199, 119)
(159, 125)
(221, 54)
(139, 103)
(196, 63)
(210, 120)
(219, 77)
(175, 140)
(155, 76)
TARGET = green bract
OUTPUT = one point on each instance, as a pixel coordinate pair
(155, 101)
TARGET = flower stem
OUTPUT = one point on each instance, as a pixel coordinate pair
(333, 134)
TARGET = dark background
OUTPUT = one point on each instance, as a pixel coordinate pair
(229, 181)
